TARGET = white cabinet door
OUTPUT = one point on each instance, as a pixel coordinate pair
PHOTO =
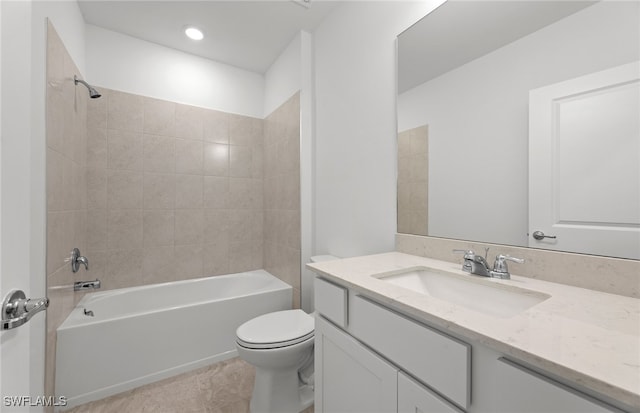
(414, 398)
(584, 163)
(524, 391)
(349, 377)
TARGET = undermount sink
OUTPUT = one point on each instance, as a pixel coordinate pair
(472, 292)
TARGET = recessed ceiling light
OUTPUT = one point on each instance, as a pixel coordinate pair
(194, 33)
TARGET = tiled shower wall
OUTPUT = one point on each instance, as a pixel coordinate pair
(173, 191)
(282, 194)
(153, 191)
(66, 131)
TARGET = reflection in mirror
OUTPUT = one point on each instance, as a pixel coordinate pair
(467, 70)
(413, 181)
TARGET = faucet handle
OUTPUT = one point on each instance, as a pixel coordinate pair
(468, 254)
(500, 268)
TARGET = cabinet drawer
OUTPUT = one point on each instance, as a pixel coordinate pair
(526, 391)
(331, 301)
(413, 397)
(440, 361)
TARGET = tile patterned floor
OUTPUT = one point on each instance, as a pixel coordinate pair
(221, 388)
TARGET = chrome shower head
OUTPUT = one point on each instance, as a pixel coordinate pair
(93, 94)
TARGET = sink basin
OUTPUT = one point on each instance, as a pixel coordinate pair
(471, 292)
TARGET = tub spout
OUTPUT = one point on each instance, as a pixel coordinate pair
(86, 285)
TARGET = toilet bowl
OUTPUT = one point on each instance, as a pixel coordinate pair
(280, 347)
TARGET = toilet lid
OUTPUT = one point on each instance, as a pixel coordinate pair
(277, 329)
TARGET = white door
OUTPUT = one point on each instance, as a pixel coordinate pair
(22, 208)
(584, 164)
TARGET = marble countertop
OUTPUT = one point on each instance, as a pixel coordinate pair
(586, 337)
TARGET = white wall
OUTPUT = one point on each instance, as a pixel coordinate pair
(478, 119)
(355, 132)
(121, 62)
(283, 77)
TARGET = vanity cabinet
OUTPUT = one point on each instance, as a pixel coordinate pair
(523, 390)
(371, 358)
(413, 397)
(348, 376)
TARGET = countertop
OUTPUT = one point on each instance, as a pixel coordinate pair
(586, 337)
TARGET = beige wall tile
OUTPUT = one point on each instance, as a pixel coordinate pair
(216, 159)
(124, 111)
(97, 147)
(244, 130)
(159, 191)
(124, 269)
(240, 161)
(281, 193)
(257, 161)
(240, 193)
(241, 226)
(59, 239)
(124, 229)
(124, 189)
(216, 226)
(158, 227)
(124, 150)
(189, 191)
(97, 229)
(190, 122)
(159, 117)
(55, 118)
(55, 180)
(216, 126)
(216, 258)
(189, 157)
(189, 226)
(216, 192)
(158, 265)
(158, 154)
(96, 188)
(189, 261)
(97, 111)
(240, 256)
(98, 261)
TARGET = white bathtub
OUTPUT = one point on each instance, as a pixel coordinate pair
(142, 334)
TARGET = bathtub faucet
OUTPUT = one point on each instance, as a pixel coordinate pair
(86, 285)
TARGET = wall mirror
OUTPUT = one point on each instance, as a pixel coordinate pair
(517, 117)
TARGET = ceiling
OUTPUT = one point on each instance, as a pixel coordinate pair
(246, 34)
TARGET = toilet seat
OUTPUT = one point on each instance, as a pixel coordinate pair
(275, 330)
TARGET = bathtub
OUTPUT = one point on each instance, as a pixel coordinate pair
(143, 334)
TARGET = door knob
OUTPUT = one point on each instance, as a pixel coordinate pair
(540, 235)
(17, 309)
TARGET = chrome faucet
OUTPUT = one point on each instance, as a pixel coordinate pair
(500, 269)
(86, 285)
(476, 264)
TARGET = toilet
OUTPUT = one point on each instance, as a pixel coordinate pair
(280, 346)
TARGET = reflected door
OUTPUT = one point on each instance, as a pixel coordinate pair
(584, 164)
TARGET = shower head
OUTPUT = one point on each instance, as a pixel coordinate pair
(93, 94)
